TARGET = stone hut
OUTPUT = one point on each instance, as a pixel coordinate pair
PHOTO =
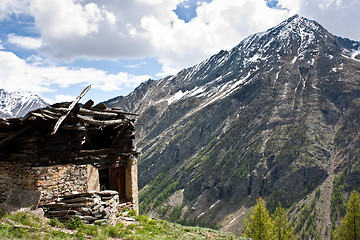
(67, 151)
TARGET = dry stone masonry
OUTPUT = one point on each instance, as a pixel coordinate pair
(93, 207)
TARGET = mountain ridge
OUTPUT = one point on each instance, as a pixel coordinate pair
(266, 118)
(18, 104)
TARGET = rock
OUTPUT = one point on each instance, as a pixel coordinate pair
(90, 207)
(23, 198)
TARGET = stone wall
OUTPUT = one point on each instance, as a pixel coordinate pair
(23, 186)
(51, 182)
(91, 207)
(57, 181)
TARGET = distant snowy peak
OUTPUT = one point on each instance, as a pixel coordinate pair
(18, 104)
(258, 51)
(297, 31)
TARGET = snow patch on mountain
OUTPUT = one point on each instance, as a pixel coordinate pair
(18, 104)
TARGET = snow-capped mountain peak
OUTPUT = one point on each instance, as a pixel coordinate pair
(18, 104)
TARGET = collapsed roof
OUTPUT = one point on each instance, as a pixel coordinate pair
(69, 133)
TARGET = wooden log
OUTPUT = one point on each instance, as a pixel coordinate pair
(100, 123)
(4, 123)
(44, 116)
(95, 113)
(73, 128)
(57, 110)
(118, 111)
(100, 106)
(98, 152)
(71, 107)
(88, 104)
(46, 111)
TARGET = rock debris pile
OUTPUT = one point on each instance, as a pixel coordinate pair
(91, 207)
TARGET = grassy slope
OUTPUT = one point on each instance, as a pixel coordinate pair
(23, 225)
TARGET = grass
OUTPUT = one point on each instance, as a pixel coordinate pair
(22, 225)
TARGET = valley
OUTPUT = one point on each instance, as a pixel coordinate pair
(274, 117)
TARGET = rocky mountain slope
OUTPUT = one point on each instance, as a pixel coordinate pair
(277, 116)
(18, 104)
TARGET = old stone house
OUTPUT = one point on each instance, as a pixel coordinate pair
(68, 150)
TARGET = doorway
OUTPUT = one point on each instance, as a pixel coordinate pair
(113, 179)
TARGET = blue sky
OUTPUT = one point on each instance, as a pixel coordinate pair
(56, 48)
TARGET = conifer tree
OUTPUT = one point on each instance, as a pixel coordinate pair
(282, 229)
(260, 227)
(350, 224)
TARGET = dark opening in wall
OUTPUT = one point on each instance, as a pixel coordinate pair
(118, 181)
(104, 179)
(113, 179)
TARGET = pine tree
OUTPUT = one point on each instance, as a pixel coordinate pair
(260, 227)
(282, 229)
(350, 224)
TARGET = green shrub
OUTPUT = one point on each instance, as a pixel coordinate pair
(142, 218)
(74, 223)
(132, 213)
(112, 231)
(89, 229)
(55, 223)
(26, 219)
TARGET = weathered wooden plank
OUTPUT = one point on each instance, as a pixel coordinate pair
(114, 110)
(73, 128)
(71, 107)
(84, 111)
(100, 123)
(44, 116)
(97, 152)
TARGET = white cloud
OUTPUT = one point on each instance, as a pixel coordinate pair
(89, 30)
(110, 29)
(219, 25)
(138, 65)
(339, 17)
(64, 98)
(17, 74)
(66, 18)
(11, 7)
(24, 42)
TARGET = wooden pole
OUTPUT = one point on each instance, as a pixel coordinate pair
(70, 108)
